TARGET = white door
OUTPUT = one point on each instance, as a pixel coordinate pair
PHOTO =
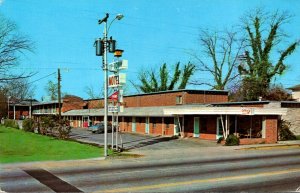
(147, 125)
(219, 128)
(133, 125)
(196, 126)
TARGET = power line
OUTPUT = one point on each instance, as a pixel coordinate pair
(33, 81)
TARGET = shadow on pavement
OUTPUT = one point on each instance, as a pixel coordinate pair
(148, 142)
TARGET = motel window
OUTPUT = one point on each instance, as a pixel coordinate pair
(127, 120)
(168, 121)
(153, 121)
(178, 100)
(203, 125)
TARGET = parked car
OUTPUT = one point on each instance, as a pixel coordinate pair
(99, 128)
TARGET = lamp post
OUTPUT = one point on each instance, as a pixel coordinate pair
(105, 69)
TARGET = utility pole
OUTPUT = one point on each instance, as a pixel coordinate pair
(8, 107)
(59, 94)
(105, 83)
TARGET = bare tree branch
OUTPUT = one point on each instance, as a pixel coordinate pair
(12, 46)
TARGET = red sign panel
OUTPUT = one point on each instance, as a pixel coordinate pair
(114, 96)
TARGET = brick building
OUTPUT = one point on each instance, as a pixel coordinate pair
(295, 92)
(189, 113)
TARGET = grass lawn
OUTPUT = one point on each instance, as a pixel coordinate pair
(20, 146)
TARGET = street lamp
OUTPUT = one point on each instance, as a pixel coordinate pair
(105, 69)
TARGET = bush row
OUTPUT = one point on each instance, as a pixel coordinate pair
(48, 125)
(11, 123)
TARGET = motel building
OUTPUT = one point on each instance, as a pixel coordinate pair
(188, 113)
(203, 114)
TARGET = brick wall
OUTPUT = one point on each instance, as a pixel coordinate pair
(247, 141)
(169, 99)
(140, 124)
(271, 129)
(207, 136)
(166, 99)
(20, 112)
(95, 104)
(72, 102)
(204, 98)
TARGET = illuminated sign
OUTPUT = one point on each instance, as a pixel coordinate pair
(247, 111)
(118, 65)
(116, 80)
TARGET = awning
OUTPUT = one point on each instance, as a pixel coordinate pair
(186, 110)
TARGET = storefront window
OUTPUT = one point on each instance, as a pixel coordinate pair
(249, 126)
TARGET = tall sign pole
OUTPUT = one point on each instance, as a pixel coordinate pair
(105, 83)
(102, 47)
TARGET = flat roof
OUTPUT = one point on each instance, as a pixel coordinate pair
(242, 102)
(296, 87)
(46, 103)
(130, 111)
(185, 110)
(168, 111)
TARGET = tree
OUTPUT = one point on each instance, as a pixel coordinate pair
(151, 82)
(51, 89)
(3, 104)
(274, 93)
(18, 89)
(263, 35)
(278, 93)
(92, 94)
(12, 45)
(220, 53)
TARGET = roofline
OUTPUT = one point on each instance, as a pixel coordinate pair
(171, 91)
(294, 87)
(225, 111)
(243, 102)
(291, 102)
(46, 103)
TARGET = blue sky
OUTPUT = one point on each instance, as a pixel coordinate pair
(151, 33)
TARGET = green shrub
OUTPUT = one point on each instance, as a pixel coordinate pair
(28, 125)
(220, 139)
(50, 125)
(64, 129)
(232, 140)
(285, 132)
(11, 123)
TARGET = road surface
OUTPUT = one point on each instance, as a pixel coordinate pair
(243, 171)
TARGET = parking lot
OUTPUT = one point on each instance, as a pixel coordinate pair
(132, 141)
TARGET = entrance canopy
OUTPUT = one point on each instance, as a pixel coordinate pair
(194, 110)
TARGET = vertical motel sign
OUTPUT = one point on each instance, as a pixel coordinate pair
(117, 80)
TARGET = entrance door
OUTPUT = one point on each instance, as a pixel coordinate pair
(219, 128)
(196, 126)
(176, 126)
(133, 125)
(147, 125)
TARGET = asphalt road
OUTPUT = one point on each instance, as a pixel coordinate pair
(257, 171)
